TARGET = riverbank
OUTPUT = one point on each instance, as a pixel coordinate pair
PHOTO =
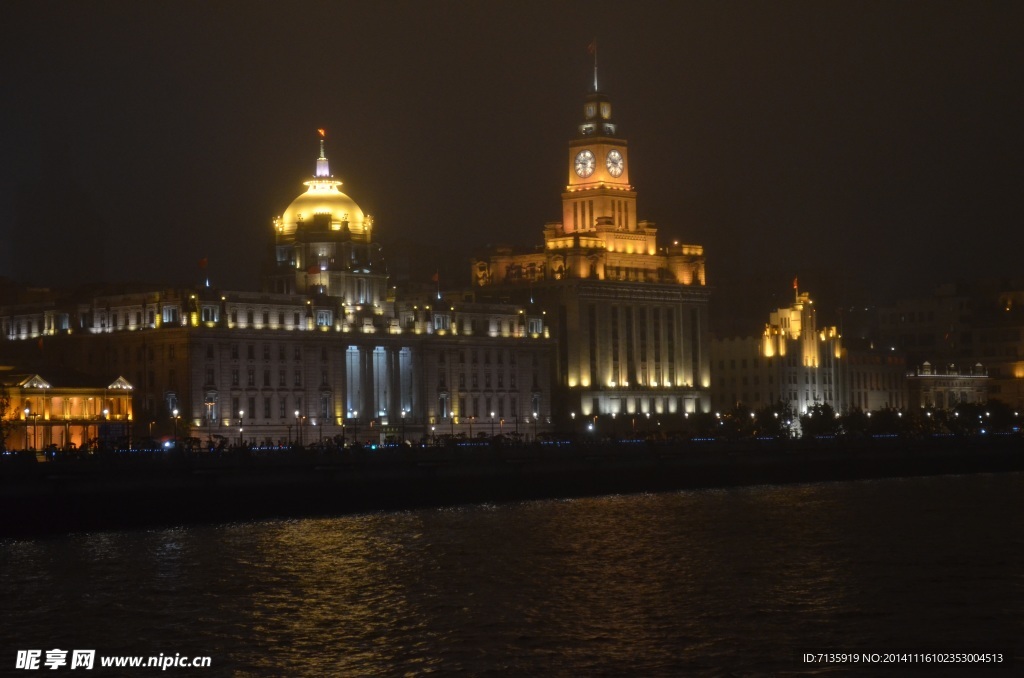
(132, 491)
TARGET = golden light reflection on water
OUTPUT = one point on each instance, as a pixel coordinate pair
(652, 584)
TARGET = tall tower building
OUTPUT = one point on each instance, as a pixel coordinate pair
(631, 316)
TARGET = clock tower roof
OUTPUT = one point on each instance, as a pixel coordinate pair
(597, 116)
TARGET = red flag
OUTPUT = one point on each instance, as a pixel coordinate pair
(202, 262)
(795, 286)
(435, 278)
(592, 47)
(314, 269)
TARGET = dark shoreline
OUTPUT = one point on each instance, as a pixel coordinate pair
(123, 493)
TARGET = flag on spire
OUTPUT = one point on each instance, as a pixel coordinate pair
(323, 132)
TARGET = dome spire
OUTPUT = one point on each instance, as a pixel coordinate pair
(322, 168)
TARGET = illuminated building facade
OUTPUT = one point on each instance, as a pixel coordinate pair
(630, 316)
(943, 389)
(64, 408)
(792, 362)
(323, 352)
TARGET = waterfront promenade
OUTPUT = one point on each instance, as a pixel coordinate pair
(150, 488)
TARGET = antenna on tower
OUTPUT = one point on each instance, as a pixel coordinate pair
(592, 49)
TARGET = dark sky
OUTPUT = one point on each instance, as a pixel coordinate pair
(864, 146)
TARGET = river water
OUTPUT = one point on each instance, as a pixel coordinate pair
(739, 581)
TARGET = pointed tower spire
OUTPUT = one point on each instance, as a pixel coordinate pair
(322, 168)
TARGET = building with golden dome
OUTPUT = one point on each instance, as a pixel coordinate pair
(323, 351)
(323, 244)
(630, 314)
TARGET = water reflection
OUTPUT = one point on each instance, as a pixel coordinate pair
(653, 584)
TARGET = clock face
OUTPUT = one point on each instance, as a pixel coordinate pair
(585, 163)
(615, 163)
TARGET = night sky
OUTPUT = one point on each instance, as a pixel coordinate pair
(872, 148)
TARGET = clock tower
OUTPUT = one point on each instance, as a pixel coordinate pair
(630, 316)
(598, 171)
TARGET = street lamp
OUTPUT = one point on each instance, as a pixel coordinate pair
(534, 427)
(209, 425)
(241, 417)
(175, 413)
(402, 441)
(492, 424)
(355, 426)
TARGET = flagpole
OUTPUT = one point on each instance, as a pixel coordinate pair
(593, 50)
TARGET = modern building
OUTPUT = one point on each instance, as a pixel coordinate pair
(326, 351)
(630, 314)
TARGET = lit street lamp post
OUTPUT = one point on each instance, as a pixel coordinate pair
(175, 412)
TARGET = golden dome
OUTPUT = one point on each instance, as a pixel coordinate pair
(323, 198)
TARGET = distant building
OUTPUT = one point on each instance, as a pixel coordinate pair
(630, 315)
(875, 379)
(944, 389)
(64, 408)
(792, 362)
(327, 350)
(981, 323)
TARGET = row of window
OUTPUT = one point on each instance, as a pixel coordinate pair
(442, 380)
(250, 377)
(486, 357)
(266, 352)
